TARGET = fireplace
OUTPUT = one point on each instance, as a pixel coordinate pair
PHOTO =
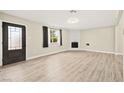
(74, 44)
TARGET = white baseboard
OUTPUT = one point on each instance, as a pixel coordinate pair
(0, 65)
(109, 52)
(46, 54)
(119, 54)
(70, 49)
(79, 49)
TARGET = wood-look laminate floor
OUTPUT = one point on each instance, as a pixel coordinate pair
(71, 66)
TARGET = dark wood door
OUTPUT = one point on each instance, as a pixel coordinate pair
(14, 43)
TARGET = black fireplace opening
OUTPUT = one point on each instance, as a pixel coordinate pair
(74, 44)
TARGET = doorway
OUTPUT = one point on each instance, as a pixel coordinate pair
(14, 43)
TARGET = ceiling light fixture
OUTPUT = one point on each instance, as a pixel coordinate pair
(73, 19)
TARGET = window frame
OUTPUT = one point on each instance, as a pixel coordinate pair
(10, 31)
(53, 44)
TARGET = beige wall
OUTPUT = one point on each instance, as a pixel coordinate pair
(122, 19)
(74, 36)
(100, 39)
(33, 37)
(119, 37)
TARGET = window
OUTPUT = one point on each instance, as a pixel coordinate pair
(14, 38)
(54, 37)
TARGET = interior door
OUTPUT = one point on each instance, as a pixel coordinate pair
(14, 43)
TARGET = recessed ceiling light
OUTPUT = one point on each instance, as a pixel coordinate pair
(73, 19)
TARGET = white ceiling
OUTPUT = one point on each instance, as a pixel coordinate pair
(58, 18)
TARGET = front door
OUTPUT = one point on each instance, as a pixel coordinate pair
(14, 43)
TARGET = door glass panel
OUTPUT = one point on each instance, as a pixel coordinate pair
(14, 38)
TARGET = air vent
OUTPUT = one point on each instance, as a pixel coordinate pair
(74, 44)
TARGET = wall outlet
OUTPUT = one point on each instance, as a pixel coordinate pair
(87, 44)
